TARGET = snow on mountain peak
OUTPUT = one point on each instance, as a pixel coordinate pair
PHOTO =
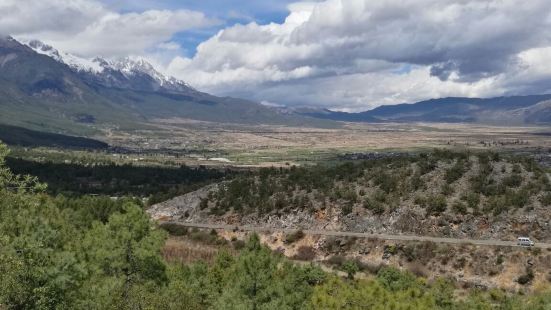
(73, 61)
(42, 48)
(129, 67)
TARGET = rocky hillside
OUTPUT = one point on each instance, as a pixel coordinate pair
(469, 266)
(443, 193)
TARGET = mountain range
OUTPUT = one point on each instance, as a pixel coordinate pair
(512, 111)
(42, 88)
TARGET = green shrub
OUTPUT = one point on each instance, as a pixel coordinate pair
(526, 278)
(514, 180)
(388, 183)
(459, 207)
(380, 196)
(374, 206)
(174, 229)
(392, 249)
(472, 200)
(455, 172)
(436, 204)
(535, 251)
(496, 205)
(517, 198)
(395, 280)
(350, 195)
(347, 208)
(351, 268)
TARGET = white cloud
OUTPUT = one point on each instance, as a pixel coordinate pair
(169, 46)
(362, 91)
(343, 54)
(52, 17)
(351, 54)
(87, 28)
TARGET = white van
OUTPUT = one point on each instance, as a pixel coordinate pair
(524, 241)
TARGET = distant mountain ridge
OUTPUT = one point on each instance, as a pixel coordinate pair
(514, 110)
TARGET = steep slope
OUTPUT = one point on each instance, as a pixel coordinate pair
(39, 92)
(538, 113)
(155, 95)
(45, 89)
(126, 73)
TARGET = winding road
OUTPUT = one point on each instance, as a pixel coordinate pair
(484, 242)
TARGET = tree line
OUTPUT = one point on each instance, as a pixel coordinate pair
(156, 183)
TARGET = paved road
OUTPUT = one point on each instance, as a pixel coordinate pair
(363, 235)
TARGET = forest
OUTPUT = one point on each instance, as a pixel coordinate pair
(155, 183)
(13, 135)
(94, 252)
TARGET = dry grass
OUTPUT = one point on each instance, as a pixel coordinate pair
(185, 251)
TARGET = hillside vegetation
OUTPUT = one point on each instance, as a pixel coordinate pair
(99, 253)
(442, 186)
(12, 135)
(439, 182)
(155, 183)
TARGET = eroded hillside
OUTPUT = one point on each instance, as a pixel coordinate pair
(443, 193)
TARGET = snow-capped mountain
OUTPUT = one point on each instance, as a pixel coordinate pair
(76, 63)
(129, 72)
(45, 89)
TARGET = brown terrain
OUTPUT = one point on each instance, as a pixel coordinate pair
(404, 232)
(263, 145)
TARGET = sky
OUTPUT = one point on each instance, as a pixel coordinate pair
(347, 55)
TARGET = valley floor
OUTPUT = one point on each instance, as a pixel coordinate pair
(196, 142)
